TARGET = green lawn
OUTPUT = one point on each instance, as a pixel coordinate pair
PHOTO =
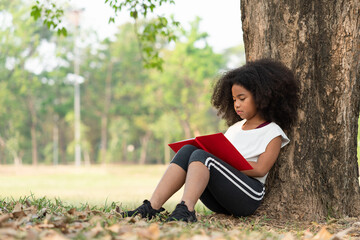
(99, 186)
(95, 185)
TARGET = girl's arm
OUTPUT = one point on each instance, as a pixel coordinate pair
(266, 160)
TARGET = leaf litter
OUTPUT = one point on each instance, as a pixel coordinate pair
(33, 219)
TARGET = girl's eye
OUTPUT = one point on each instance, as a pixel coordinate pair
(242, 99)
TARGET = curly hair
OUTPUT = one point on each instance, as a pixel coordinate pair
(273, 86)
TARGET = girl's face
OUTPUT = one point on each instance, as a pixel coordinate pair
(244, 103)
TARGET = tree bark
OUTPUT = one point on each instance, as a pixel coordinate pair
(144, 145)
(124, 152)
(166, 150)
(317, 174)
(2, 151)
(32, 111)
(55, 140)
(105, 113)
(62, 143)
(186, 127)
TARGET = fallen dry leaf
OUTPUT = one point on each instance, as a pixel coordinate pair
(18, 211)
(141, 223)
(31, 234)
(115, 228)
(56, 222)
(128, 236)
(288, 236)
(27, 202)
(72, 211)
(217, 235)
(323, 234)
(308, 234)
(52, 235)
(125, 229)
(96, 230)
(154, 230)
(95, 219)
(10, 232)
(18, 207)
(4, 218)
(96, 212)
(46, 225)
(200, 237)
(30, 210)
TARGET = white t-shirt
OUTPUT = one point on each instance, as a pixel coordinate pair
(252, 143)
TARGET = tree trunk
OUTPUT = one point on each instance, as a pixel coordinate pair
(144, 144)
(166, 149)
(62, 143)
(317, 174)
(87, 159)
(186, 127)
(105, 113)
(32, 111)
(55, 140)
(124, 152)
(2, 151)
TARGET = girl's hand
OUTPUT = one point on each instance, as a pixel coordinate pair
(266, 160)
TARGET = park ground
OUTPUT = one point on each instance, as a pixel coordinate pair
(68, 202)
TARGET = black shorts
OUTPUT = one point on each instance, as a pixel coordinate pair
(229, 191)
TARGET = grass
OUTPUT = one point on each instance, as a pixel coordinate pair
(127, 185)
(66, 202)
(38, 218)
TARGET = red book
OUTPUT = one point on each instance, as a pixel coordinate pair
(218, 145)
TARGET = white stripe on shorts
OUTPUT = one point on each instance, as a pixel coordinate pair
(210, 162)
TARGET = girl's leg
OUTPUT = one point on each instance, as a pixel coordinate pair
(239, 194)
(174, 177)
(233, 191)
(172, 180)
(197, 179)
(212, 203)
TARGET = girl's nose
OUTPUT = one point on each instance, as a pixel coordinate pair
(237, 103)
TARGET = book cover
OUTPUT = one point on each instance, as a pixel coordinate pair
(218, 145)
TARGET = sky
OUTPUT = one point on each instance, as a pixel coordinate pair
(220, 19)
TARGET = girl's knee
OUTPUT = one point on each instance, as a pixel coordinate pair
(187, 149)
(198, 155)
(182, 157)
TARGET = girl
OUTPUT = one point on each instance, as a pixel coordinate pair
(257, 101)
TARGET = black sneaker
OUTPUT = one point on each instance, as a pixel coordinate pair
(145, 210)
(182, 213)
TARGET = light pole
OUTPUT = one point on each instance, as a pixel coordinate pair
(76, 79)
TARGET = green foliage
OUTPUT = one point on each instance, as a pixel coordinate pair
(157, 28)
(51, 15)
(129, 113)
(150, 34)
(31, 100)
(136, 8)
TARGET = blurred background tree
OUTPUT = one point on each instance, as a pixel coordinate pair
(129, 112)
